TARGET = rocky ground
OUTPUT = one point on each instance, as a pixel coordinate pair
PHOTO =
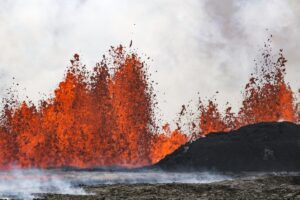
(265, 187)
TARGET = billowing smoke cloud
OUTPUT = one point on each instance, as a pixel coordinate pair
(196, 46)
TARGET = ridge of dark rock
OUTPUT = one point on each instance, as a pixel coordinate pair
(266, 146)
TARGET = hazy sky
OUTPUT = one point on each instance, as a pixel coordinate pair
(196, 45)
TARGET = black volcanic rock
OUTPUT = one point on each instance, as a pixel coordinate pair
(268, 146)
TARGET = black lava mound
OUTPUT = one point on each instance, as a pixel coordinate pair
(268, 146)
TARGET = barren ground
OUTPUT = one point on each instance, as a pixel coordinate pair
(270, 187)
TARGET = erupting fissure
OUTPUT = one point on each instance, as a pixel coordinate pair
(106, 117)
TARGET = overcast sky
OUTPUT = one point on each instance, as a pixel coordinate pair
(196, 45)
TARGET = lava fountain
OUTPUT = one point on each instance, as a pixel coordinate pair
(105, 117)
(97, 118)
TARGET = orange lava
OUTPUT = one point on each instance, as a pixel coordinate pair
(105, 117)
(267, 97)
(166, 143)
(94, 119)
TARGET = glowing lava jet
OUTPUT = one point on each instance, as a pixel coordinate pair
(106, 117)
(94, 119)
(267, 97)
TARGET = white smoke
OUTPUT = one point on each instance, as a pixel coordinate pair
(196, 45)
(27, 184)
(92, 178)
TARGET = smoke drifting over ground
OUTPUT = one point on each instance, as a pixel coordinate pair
(25, 184)
(192, 44)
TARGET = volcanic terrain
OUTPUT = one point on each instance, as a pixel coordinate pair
(268, 146)
(264, 187)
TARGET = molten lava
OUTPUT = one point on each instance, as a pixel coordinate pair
(94, 119)
(166, 143)
(267, 98)
(106, 117)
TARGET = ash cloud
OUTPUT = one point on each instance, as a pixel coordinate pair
(196, 46)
